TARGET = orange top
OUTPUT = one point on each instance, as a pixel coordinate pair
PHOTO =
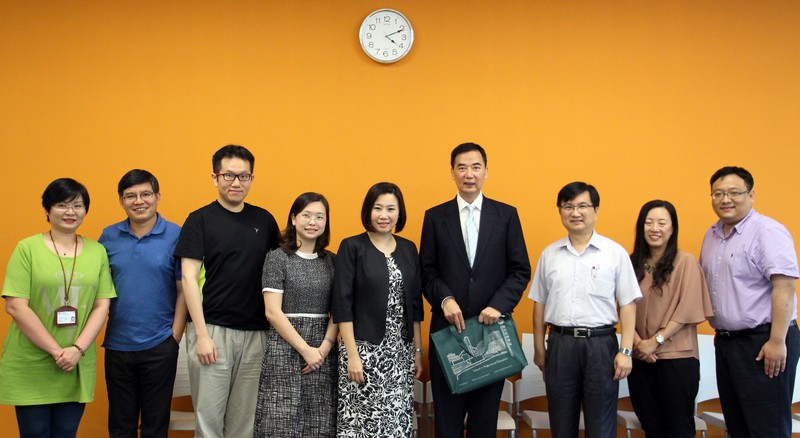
(684, 299)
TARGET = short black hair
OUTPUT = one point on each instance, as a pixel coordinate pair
(741, 172)
(232, 151)
(383, 188)
(464, 148)
(289, 235)
(136, 177)
(573, 189)
(64, 190)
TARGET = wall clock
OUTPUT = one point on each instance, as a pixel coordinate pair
(386, 35)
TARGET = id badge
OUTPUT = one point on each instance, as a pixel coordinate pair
(66, 316)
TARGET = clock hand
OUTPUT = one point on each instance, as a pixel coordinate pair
(397, 31)
(387, 37)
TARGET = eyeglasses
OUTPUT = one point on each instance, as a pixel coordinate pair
(232, 176)
(317, 218)
(733, 195)
(63, 206)
(130, 198)
(569, 208)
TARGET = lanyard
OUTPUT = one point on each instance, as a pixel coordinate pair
(67, 287)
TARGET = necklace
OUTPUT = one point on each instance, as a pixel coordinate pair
(648, 267)
(64, 271)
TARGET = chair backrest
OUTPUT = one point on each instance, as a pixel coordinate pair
(181, 387)
(708, 369)
(531, 384)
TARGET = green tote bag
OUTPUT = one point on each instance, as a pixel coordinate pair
(480, 354)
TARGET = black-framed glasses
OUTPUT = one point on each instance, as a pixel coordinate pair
(232, 176)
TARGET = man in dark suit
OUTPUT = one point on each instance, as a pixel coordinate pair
(474, 263)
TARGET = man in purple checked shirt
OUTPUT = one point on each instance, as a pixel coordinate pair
(750, 264)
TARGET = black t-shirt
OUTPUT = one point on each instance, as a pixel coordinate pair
(232, 247)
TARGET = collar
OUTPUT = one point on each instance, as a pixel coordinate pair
(158, 228)
(478, 202)
(738, 228)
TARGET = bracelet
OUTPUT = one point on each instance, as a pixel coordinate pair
(83, 353)
(419, 350)
(330, 340)
(626, 351)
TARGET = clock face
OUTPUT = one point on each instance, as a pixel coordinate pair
(386, 35)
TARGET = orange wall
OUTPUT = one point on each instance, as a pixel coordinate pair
(645, 100)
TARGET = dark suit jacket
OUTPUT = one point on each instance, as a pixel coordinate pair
(361, 286)
(501, 270)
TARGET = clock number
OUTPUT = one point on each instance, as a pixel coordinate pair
(385, 53)
(387, 19)
(368, 35)
(371, 27)
(394, 52)
(401, 45)
(371, 44)
(403, 37)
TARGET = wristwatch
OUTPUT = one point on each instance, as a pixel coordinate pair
(660, 339)
(626, 351)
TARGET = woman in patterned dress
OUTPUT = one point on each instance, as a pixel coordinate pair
(297, 389)
(377, 303)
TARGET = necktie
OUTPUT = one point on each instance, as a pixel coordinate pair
(472, 234)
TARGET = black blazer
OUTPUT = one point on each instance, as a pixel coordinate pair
(361, 286)
(501, 270)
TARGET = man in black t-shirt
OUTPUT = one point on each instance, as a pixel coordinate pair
(222, 247)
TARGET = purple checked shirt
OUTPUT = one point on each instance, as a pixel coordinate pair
(738, 270)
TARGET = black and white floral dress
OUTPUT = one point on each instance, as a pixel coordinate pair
(382, 405)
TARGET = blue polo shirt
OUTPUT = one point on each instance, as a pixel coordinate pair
(144, 273)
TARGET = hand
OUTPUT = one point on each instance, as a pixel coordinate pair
(775, 354)
(622, 366)
(68, 359)
(355, 372)
(206, 350)
(417, 365)
(653, 358)
(538, 358)
(313, 358)
(453, 315)
(489, 316)
(645, 348)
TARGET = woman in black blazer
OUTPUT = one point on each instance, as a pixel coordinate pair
(377, 302)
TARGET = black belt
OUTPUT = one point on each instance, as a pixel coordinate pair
(584, 332)
(763, 328)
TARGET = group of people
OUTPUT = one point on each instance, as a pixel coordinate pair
(744, 285)
(286, 339)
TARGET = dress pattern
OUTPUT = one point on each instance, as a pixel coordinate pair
(289, 403)
(382, 405)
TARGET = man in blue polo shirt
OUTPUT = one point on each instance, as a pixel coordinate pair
(147, 319)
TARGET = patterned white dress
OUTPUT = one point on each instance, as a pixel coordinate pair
(382, 405)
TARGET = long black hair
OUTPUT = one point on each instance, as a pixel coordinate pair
(641, 250)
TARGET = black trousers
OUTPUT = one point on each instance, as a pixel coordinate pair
(481, 405)
(663, 393)
(755, 405)
(140, 383)
(579, 373)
